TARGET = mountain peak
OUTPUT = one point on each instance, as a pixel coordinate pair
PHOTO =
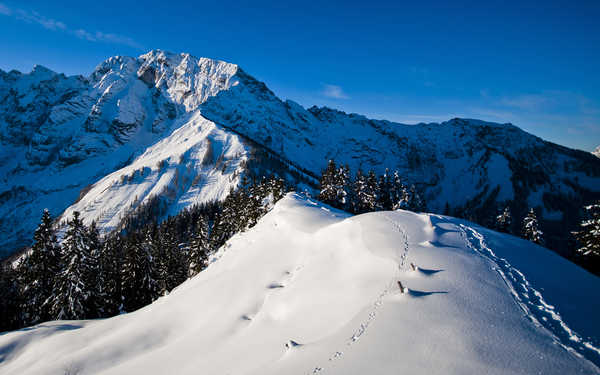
(40, 69)
(172, 58)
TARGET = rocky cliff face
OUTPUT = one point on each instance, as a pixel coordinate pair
(187, 128)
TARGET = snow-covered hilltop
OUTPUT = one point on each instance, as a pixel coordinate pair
(94, 143)
(312, 290)
(596, 152)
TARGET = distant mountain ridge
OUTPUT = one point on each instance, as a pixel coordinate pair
(187, 129)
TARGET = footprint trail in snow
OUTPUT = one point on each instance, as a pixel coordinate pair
(531, 301)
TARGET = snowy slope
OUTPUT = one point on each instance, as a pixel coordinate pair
(198, 162)
(311, 290)
(596, 152)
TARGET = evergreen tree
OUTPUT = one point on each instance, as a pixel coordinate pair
(386, 191)
(359, 194)
(254, 204)
(328, 190)
(504, 221)
(41, 267)
(398, 192)
(199, 247)
(531, 230)
(139, 287)
(94, 248)
(405, 198)
(369, 202)
(415, 203)
(75, 283)
(278, 189)
(588, 236)
(109, 277)
(342, 187)
(176, 264)
(218, 235)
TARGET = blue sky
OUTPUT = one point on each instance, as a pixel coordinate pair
(533, 64)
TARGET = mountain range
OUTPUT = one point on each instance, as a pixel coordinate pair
(187, 130)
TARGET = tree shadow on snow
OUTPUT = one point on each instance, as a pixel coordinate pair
(427, 272)
(53, 327)
(420, 293)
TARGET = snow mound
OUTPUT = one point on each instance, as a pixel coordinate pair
(312, 290)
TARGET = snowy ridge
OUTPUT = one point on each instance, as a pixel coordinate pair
(312, 290)
(596, 152)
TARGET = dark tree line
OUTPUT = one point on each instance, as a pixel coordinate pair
(87, 276)
(367, 192)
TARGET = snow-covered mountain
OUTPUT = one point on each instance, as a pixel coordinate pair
(188, 128)
(596, 152)
(313, 290)
(59, 135)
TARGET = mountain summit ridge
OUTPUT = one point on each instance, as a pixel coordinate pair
(61, 136)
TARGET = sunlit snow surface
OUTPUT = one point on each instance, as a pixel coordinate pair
(313, 290)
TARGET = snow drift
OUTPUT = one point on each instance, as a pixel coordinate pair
(313, 290)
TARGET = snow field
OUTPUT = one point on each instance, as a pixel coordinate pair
(312, 290)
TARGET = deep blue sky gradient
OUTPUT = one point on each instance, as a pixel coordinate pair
(535, 64)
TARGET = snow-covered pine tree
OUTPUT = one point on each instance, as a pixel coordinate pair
(256, 194)
(278, 189)
(371, 194)
(231, 221)
(342, 187)
(178, 267)
(38, 273)
(588, 236)
(504, 220)
(218, 235)
(398, 191)
(139, 287)
(359, 190)
(405, 198)
(415, 204)
(94, 249)
(385, 186)
(74, 284)
(530, 230)
(328, 191)
(171, 262)
(109, 276)
(199, 247)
